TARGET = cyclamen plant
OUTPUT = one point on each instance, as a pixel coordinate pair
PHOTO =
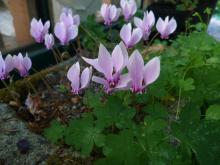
(79, 82)
(6, 66)
(129, 8)
(39, 30)
(22, 64)
(137, 79)
(67, 28)
(146, 24)
(166, 27)
(130, 36)
(49, 41)
(110, 13)
(139, 76)
(18, 62)
(111, 67)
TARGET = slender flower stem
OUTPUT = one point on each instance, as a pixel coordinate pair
(79, 46)
(43, 79)
(6, 85)
(178, 104)
(55, 56)
(30, 85)
(151, 41)
(88, 33)
(58, 54)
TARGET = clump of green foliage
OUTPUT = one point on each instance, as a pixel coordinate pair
(177, 120)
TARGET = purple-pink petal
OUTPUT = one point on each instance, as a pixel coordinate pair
(105, 62)
(86, 77)
(135, 68)
(49, 41)
(73, 75)
(60, 31)
(152, 70)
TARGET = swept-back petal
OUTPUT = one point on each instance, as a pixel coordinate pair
(117, 14)
(103, 10)
(99, 80)
(152, 70)
(118, 59)
(61, 32)
(76, 20)
(2, 67)
(112, 12)
(86, 77)
(72, 32)
(94, 63)
(124, 52)
(149, 19)
(66, 18)
(135, 68)
(49, 41)
(17, 61)
(122, 3)
(8, 64)
(73, 75)
(105, 61)
(46, 28)
(27, 62)
(138, 22)
(136, 37)
(172, 25)
(160, 26)
(125, 33)
(127, 11)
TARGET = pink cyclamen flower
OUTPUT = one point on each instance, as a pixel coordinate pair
(79, 82)
(6, 66)
(142, 75)
(146, 24)
(129, 36)
(22, 64)
(111, 67)
(65, 33)
(129, 8)
(68, 18)
(49, 41)
(39, 30)
(166, 27)
(109, 13)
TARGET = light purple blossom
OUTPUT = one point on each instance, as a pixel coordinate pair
(22, 64)
(110, 13)
(6, 66)
(49, 41)
(111, 67)
(65, 33)
(166, 27)
(142, 75)
(146, 24)
(39, 30)
(129, 36)
(129, 8)
(79, 82)
(67, 28)
(69, 19)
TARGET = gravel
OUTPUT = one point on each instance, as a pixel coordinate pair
(17, 144)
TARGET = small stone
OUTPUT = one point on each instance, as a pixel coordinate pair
(23, 146)
(75, 100)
